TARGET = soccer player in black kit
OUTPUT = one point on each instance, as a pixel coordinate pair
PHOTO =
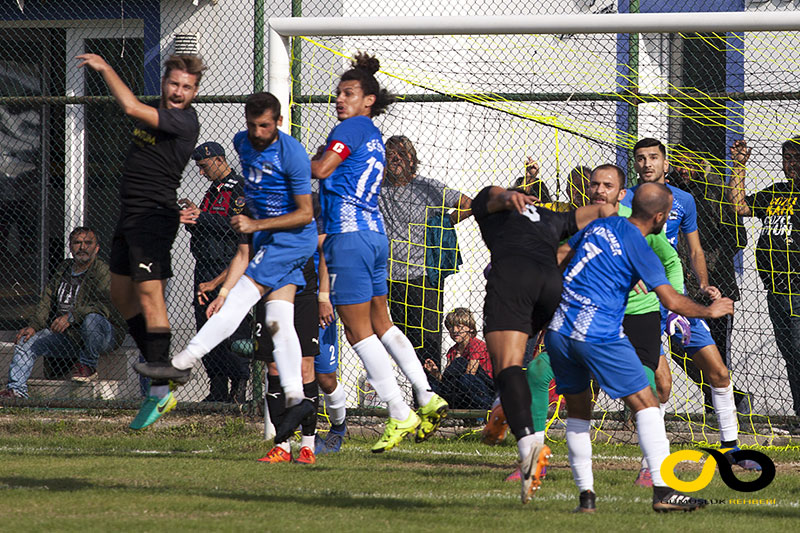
(164, 137)
(523, 289)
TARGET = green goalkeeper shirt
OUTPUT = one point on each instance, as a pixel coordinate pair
(639, 304)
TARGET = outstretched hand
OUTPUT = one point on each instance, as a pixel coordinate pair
(93, 61)
(531, 170)
(740, 152)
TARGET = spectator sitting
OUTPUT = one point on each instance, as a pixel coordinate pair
(467, 380)
(82, 321)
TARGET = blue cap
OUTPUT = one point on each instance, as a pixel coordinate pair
(209, 149)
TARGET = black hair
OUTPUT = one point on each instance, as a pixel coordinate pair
(364, 67)
(258, 103)
(537, 188)
(81, 229)
(792, 144)
(648, 142)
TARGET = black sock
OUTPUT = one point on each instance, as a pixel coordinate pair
(157, 346)
(157, 351)
(276, 402)
(309, 423)
(138, 331)
(515, 395)
(728, 444)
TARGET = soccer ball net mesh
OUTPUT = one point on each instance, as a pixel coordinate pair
(505, 109)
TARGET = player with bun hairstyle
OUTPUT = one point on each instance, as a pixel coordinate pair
(350, 166)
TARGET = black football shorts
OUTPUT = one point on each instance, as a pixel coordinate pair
(142, 243)
(520, 295)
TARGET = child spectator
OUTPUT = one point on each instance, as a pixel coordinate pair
(467, 380)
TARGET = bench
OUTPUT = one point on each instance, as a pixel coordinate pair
(115, 380)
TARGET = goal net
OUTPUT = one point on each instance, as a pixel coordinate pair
(476, 105)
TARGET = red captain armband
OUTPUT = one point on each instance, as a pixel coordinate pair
(339, 148)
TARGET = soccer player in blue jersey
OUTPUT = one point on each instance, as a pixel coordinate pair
(350, 167)
(650, 162)
(278, 195)
(586, 336)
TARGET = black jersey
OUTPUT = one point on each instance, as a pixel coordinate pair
(535, 234)
(156, 159)
(778, 248)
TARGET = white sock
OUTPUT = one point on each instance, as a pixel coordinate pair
(725, 407)
(653, 441)
(285, 446)
(538, 437)
(307, 441)
(220, 326)
(287, 353)
(401, 350)
(524, 446)
(159, 391)
(579, 444)
(336, 404)
(381, 376)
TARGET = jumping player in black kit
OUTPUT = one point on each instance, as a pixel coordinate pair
(523, 289)
(163, 140)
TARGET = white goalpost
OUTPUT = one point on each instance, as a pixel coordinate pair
(480, 95)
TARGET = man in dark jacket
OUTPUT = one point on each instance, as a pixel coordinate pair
(214, 243)
(74, 317)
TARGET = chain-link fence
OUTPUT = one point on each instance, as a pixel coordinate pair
(474, 109)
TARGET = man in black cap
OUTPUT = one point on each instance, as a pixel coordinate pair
(213, 244)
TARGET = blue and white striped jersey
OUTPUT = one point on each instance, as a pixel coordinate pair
(349, 195)
(611, 256)
(273, 177)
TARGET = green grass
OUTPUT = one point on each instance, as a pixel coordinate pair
(78, 471)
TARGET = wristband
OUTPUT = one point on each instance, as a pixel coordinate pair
(224, 292)
(324, 297)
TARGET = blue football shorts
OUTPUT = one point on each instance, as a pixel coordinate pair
(356, 265)
(614, 364)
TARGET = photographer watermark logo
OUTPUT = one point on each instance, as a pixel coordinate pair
(717, 458)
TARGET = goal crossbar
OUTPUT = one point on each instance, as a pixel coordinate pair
(552, 24)
(281, 29)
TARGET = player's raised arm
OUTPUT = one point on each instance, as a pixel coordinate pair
(130, 105)
(682, 305)
(584, 215)
(501, 199)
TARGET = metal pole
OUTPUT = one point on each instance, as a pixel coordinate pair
(297, 86)
(258, 46)
(550, 24)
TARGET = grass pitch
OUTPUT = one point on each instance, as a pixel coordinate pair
(84, 471)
